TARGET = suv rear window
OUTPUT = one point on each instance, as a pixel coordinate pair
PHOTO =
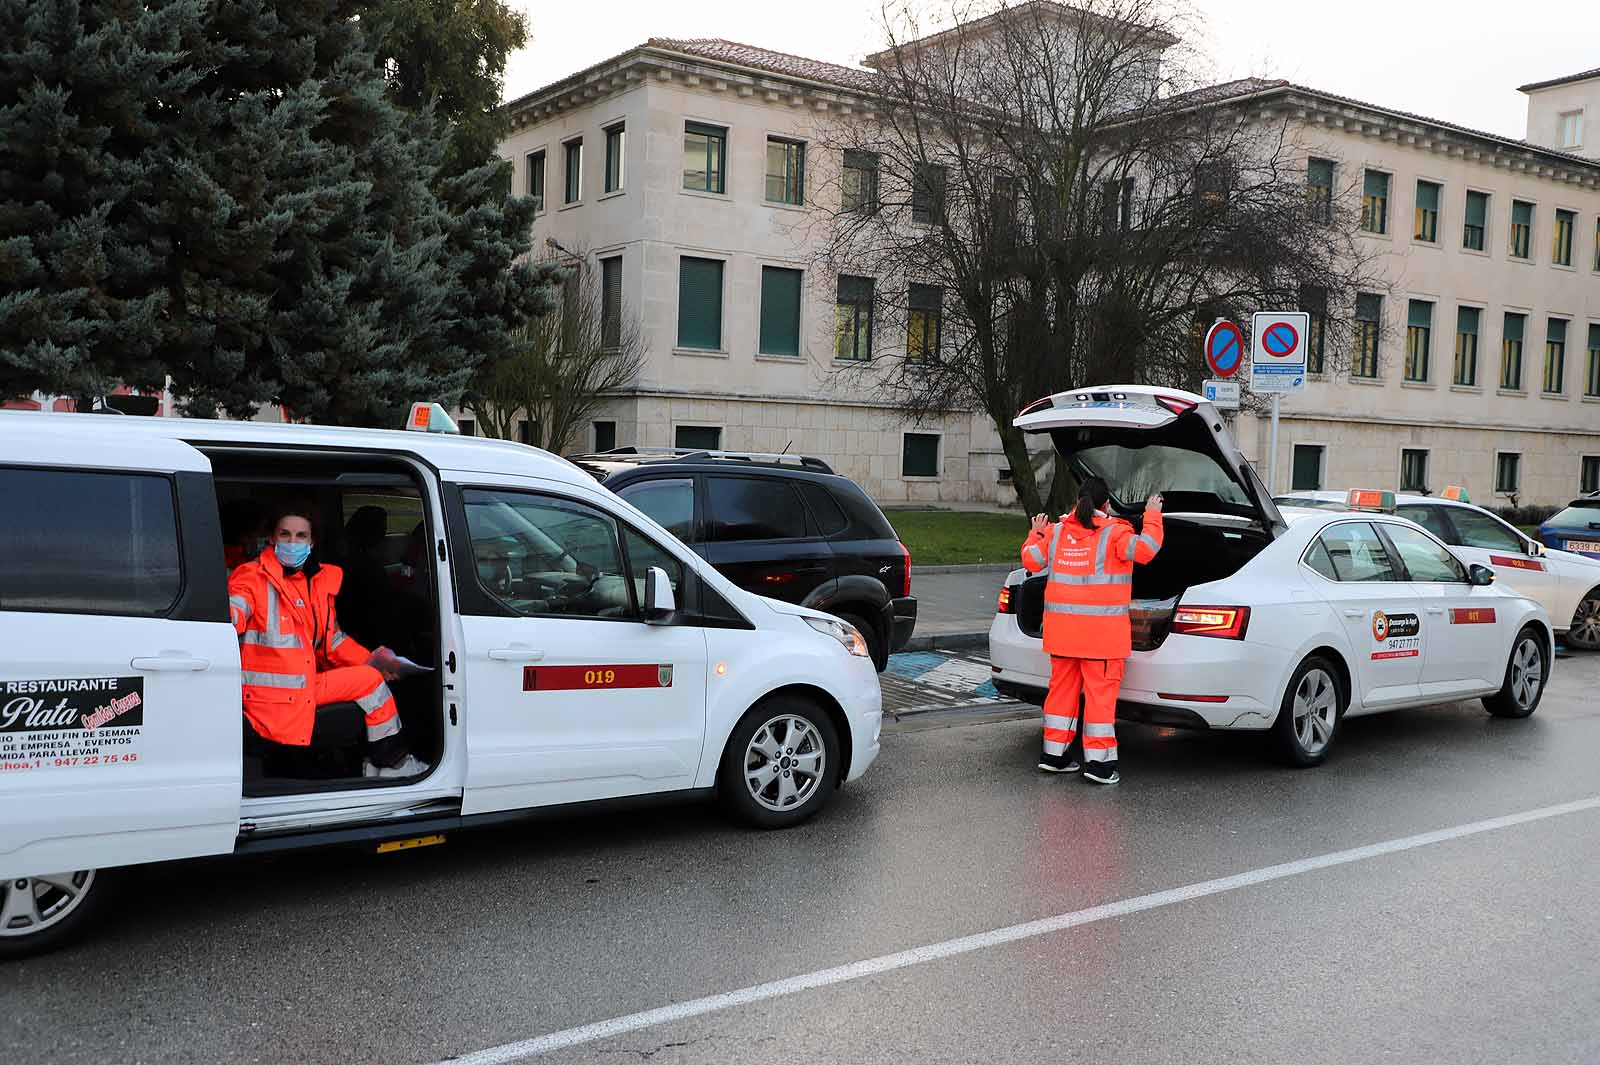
(748, 508)
(88, 543)
(866, 520)
(825, 509)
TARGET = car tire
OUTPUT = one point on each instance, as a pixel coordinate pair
(1527, 670)
(1308, 718)
(781, 763)
(877, 645)
(1584, 633)
(64, 904)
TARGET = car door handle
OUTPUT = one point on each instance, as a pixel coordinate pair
(1353, 613)
(1436, 610)
(516, 653)
(171, 662)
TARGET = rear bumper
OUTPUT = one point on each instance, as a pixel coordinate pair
(902, 621)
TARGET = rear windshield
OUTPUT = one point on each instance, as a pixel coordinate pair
(1134, 474)
(1579, 514)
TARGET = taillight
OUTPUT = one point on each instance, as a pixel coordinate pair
(905, 587)
(1223, 622)
(1004, 605)
(1176, 405)
(1038, 404)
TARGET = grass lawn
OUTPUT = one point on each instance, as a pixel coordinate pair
(958, 537)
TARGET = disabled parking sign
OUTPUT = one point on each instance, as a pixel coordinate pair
(1278, 351)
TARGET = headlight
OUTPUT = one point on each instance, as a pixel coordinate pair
(847, 635)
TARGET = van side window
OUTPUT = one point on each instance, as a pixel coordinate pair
(540, 555)
(747, 508)
(88, 543)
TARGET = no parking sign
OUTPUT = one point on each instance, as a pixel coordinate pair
(1278, 351)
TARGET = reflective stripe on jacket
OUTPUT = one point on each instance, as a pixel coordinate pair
(287, 630)
(1091, 582)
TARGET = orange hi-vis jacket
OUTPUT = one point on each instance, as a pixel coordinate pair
(1091, 582)
(287, 629)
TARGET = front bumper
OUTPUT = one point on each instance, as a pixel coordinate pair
(903, 614)
(863, 709)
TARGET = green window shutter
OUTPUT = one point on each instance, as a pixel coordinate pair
(1376, 184)
(699, 303)
(1319, 172)
(698, 437)
(1467, 320)
(1368, 307)
(1514, 326)
(1420, 314)
(920, 455)
(780, 311)
(1307, 474)
(1477, 208)
(611, 302)
(1521, 213)
(1556, 332)
(1594, 337)
(1427, 196)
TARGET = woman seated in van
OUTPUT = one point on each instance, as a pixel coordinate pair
(295, 658)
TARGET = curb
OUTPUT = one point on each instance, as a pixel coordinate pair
(947, 641)
(976, 567)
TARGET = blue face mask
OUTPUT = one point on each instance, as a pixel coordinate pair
(292, 556)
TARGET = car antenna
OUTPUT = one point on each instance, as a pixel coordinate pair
(786, 448)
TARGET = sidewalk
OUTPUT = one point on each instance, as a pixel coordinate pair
(955, 606)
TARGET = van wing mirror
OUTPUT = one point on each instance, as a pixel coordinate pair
(1482, 576)
(659, 602)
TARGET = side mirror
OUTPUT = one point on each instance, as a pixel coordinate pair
(659, 602)
(1481, 576)
(1533, 548)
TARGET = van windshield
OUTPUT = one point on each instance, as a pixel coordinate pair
(1134, 474)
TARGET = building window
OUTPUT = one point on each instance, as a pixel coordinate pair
(927, 193)
(1597, 244)
(1314, 301)
(1306, 475)
(536, 180)
(1589, 477)
(1555, 356)
(1511, 352)
(525, 430)
(1369, 311)
(605, 436)
(1427, 228)
(698, 437)
(614, 144)
(611, 302)
(1419, 331)
(1413, 470)
(852, 319)
(700, 303)
(1591, 372)
(1467, 320)
(1570, 129)
(859, 182)
(1375, 202)
(1521, 229)
(1507, 472)
(573, 154)
(786, 171)
(780, 311)
(924, 322)
(467, 427)
(705, 157)
(1473, 230)
(1116, 205)
(1319, 188)
(1212, 183)
(919, 455)
(1561, 253)
(1003, 211)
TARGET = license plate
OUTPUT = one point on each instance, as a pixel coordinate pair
(1587, 547)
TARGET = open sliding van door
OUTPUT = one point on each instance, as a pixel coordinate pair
(120, 710)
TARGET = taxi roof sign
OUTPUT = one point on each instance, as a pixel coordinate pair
(1455, 493)
(430, 418)
(1370, 499)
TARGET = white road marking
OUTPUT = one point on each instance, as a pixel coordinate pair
(633, 1022)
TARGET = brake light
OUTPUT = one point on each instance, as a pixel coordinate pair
(905, 588)
(1223, 622)
(1038, 404)
(1176, 405)
(1004, 606)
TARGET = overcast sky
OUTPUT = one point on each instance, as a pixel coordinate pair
(1460, 61)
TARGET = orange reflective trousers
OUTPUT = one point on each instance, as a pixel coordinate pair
(1097, 680)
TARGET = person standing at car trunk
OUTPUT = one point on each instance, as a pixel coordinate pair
(1089, 557)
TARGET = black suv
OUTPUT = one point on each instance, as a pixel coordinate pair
(784, 526)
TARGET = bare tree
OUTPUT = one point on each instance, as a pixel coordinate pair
(565, 365)
(1048, 188)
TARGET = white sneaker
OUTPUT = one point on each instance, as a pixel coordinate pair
(410, 766)
(1100, 776)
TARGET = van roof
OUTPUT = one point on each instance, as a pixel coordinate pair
(471, 453)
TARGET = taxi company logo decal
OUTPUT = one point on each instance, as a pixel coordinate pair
(1396, 635)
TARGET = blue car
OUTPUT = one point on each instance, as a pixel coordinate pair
(1576, 528)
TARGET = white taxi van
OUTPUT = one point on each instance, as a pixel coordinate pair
(1252, 618)
(570, 651)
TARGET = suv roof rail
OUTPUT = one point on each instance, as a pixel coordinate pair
(687, 454)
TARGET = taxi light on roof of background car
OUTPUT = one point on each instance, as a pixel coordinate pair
(1455, 493)
(1370, 499)
(430, 418)
(1223, 622)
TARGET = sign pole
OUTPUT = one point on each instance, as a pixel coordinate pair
(1272, 455)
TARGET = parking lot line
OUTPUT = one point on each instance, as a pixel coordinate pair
(633, 1022)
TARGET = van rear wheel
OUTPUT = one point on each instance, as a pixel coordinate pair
(781, 763)
(40, 913)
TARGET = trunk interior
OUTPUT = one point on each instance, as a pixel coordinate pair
(1196, 549)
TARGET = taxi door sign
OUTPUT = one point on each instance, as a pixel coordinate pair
(1516, 563)
(1472, 615)
(581, 678)
(1396, 635)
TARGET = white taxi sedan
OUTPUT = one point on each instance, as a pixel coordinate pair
(1253, 618)
(1565, 583)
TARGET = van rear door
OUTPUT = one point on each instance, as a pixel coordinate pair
(119, 687)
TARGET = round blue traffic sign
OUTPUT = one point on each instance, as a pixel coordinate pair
(1280, 339)
(1224, 348)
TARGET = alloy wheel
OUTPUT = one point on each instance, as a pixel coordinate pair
(31, 904)
(784, 762)
(1585, 629)
(1527, 672)
(1316, 710)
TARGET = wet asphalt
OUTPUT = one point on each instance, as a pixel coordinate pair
(1478, 949)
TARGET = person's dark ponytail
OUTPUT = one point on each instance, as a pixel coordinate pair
(1092, 495)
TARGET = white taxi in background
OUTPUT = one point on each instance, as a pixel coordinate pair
(1252, 618)
(1565, 583)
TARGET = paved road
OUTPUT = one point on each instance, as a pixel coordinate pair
(1476, 947)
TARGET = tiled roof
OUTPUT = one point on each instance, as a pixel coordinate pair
(1533, 86)
(748, 55)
